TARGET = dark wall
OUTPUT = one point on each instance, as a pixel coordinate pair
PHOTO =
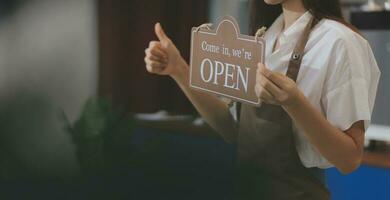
(125, 29)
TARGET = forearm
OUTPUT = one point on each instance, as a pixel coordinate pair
(337, 147)
(214, 111)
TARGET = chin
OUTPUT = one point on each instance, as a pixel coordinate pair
(273, 2)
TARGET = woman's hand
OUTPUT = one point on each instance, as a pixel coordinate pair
(162, 57)
(275, 88)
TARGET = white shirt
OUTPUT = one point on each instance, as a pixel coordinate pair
(338, 75)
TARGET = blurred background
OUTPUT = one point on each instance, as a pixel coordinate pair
(80, 117)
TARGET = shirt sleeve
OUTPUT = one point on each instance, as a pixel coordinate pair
(350, 85)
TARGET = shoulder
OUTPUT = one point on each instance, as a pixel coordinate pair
(337, 33)
(339, 40)
(348, 53)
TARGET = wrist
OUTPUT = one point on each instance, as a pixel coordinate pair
(180, 75)
(296, 104)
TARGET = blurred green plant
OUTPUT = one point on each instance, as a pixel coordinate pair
(102, 137)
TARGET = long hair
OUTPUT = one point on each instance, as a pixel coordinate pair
(263, 14)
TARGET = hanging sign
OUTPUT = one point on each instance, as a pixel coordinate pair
(224, 61)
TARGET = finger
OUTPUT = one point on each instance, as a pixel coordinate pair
(156, 55)
(160, 33)
(277, 78)
(281, 80)
(263, 94)
(156, 52)
(153, 69)
(268, 85)
(158, 45)
(263, 69)
(266, 99)
(155, 64)
(157, 58)
(154, 43)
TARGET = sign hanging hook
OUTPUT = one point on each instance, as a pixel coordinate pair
(260, 32)
(205, 26)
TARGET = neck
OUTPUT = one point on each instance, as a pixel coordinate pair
(292, 10)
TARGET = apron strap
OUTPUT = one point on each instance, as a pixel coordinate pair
(296, 57)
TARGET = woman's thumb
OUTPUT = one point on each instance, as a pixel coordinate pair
(160, 33)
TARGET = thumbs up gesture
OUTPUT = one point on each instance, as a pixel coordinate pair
(162, 57)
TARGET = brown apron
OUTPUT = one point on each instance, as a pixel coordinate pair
(268, 163)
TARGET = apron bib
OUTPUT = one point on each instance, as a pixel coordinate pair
(268, 163)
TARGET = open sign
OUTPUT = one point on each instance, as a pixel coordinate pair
(224, 62)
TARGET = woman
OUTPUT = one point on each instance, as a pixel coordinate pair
(317, 88)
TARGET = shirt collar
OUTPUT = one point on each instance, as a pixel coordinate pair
(291, 32)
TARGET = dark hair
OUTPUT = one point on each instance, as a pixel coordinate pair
(263, 14)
